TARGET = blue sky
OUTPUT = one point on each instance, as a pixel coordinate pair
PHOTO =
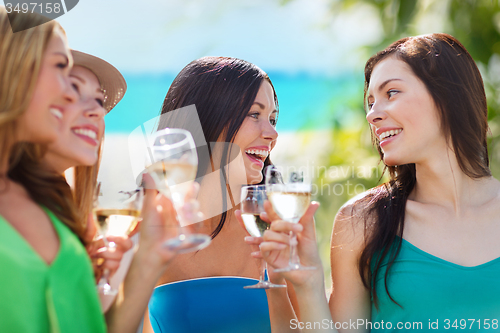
(302, 45)
(163, 36)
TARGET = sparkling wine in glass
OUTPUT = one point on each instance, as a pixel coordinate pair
(290, 201)
(174, 170)
(117, 214)
(252, 204)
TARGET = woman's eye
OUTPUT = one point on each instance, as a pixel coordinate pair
(254, 115)
(370, 105)
(273, 121)
(392, 92)
(75, 87)
(62, 65)
(100, 101)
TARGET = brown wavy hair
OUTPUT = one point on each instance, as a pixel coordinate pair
(453, 80)
(46, 187)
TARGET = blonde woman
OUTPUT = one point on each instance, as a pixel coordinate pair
(38, 249)
(47, 283)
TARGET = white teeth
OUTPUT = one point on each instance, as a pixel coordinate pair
(91, 134)
(386, 134)
(57, 113)
(261, 153)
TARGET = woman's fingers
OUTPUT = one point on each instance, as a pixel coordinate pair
(250, 240)
(272, 246)
(257, 255)
(148, 183)
(109, 258)
(286, 227)
(270, 213)
(276, 236)
(111, 265)
(122, 243)
(264, 217)
(308, 217)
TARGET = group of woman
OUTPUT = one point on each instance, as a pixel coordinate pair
(419, 248)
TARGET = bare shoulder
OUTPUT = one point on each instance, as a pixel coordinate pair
(353, 221)
(350, 299)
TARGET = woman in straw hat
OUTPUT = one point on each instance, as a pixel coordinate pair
(100, 87)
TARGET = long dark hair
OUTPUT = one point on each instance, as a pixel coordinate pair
(453, 80)
(223, 90)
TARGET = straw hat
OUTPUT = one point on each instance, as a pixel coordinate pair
(112, 82)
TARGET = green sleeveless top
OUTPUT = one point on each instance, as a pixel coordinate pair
(36, 297)
(436, 295)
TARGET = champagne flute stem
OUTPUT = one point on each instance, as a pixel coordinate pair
(294, 257)
(104, 286)
(104, 278)
(263, 270)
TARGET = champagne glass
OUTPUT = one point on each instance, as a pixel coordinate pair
(117, 214)
(173, 169)
(290, 201)
(252, 204)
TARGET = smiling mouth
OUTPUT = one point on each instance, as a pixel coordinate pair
(86, 132)
(258, 154)
(388, 134)
(56, 112)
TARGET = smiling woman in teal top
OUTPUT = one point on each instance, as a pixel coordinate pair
(422, 247)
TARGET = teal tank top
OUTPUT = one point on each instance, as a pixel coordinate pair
(436, 295)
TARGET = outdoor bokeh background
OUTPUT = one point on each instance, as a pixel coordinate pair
(314, 52)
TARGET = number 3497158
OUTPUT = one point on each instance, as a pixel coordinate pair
(32, 7)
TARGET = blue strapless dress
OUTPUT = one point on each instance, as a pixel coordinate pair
(209, 305)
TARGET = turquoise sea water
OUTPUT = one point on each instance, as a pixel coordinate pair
(306, 101)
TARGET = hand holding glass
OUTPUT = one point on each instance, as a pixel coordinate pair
(173, 169)
(117, 214)
(290, 201)
(252, 204)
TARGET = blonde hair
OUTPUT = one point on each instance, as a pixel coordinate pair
(21, 55)
(85, 186)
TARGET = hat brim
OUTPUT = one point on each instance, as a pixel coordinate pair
(112, 82)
